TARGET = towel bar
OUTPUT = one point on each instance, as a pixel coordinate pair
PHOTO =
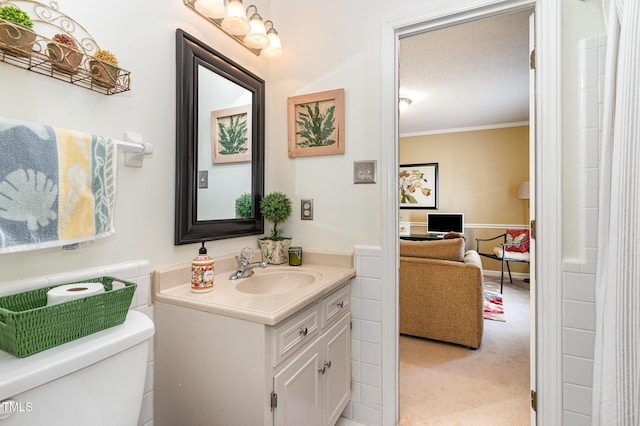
(135, 149)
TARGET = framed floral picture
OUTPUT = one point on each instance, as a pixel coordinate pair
(418, 185)
(316, 123)
(231, 135)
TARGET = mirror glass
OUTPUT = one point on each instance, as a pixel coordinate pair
(220, 143)
(230, 177)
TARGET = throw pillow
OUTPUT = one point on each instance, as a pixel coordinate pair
(517, 236)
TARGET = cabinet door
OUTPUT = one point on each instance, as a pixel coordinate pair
(298, 390)
(337, 389)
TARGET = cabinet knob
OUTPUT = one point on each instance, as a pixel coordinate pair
(340, 304)
(327, 364)
(304, 331)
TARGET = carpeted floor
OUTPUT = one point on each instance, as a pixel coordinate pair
(445, 384)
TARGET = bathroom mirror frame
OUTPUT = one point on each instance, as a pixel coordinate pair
(191, 56)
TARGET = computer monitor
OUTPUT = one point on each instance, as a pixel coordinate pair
(441, 223)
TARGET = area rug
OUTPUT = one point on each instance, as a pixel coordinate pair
(493, 309)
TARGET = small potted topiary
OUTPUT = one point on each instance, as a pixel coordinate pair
(16, 36)
(63, 53)
(243, 206)
(276, 208)
(104, 69)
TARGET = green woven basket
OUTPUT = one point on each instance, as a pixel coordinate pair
(28, 325)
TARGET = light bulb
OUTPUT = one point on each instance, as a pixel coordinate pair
(257, 37)
(275, 47)
(211, 8)
(236, 21)
(217, 8)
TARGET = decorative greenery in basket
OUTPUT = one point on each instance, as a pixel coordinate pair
(64, 54)
(65, 39)
(104, 69)
(106, 56)
(17, 15)
(16, 36)
(276, 208)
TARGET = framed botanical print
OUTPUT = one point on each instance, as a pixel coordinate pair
(316, 124)
(231, 134)
(418, 186)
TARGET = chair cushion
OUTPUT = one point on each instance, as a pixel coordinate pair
(516, 256)
(450, 249)
(516, 236)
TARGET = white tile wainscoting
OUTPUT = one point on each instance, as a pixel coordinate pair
(578, 277)
(365, 406)
(137, 271)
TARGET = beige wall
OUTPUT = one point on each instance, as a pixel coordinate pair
(479, 173)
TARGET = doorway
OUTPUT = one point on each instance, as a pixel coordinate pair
(468, 91)
(547, 174)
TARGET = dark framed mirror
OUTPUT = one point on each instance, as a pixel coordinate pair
(219, 145)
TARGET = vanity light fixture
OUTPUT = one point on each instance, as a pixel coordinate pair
(246, 26)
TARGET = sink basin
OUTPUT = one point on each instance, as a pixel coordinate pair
(277, 282)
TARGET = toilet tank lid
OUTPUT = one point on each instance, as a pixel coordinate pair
(18, 375)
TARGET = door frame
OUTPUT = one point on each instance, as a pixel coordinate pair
(547, 190)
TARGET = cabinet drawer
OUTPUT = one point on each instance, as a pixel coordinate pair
(334, 305)
(294, 332)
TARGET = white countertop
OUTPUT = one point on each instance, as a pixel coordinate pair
(172, 286)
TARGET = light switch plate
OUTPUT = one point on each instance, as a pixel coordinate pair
(203, 179)
(364, 171)
(306, 209)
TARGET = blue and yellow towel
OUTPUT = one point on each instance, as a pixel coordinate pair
(57, 186)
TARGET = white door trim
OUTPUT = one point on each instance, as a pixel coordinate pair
(548, 190)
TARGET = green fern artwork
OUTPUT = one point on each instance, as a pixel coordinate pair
(315, 124)
(232, 133)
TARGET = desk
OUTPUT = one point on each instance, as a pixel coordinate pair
(421, 237)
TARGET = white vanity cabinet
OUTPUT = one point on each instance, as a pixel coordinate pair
(314, 387)
(218, 370)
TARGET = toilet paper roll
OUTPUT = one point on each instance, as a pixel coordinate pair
(117, 285)
(73, 291)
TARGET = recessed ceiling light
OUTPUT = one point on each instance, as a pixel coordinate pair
(403, 103)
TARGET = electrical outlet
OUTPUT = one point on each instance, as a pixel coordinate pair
(306, 209)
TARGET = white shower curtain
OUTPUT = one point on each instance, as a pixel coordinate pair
(616, 381)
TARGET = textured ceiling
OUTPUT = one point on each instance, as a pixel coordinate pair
(474, 74)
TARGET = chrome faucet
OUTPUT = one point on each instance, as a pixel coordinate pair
(245, 267)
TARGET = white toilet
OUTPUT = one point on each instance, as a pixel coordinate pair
(93, 381)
